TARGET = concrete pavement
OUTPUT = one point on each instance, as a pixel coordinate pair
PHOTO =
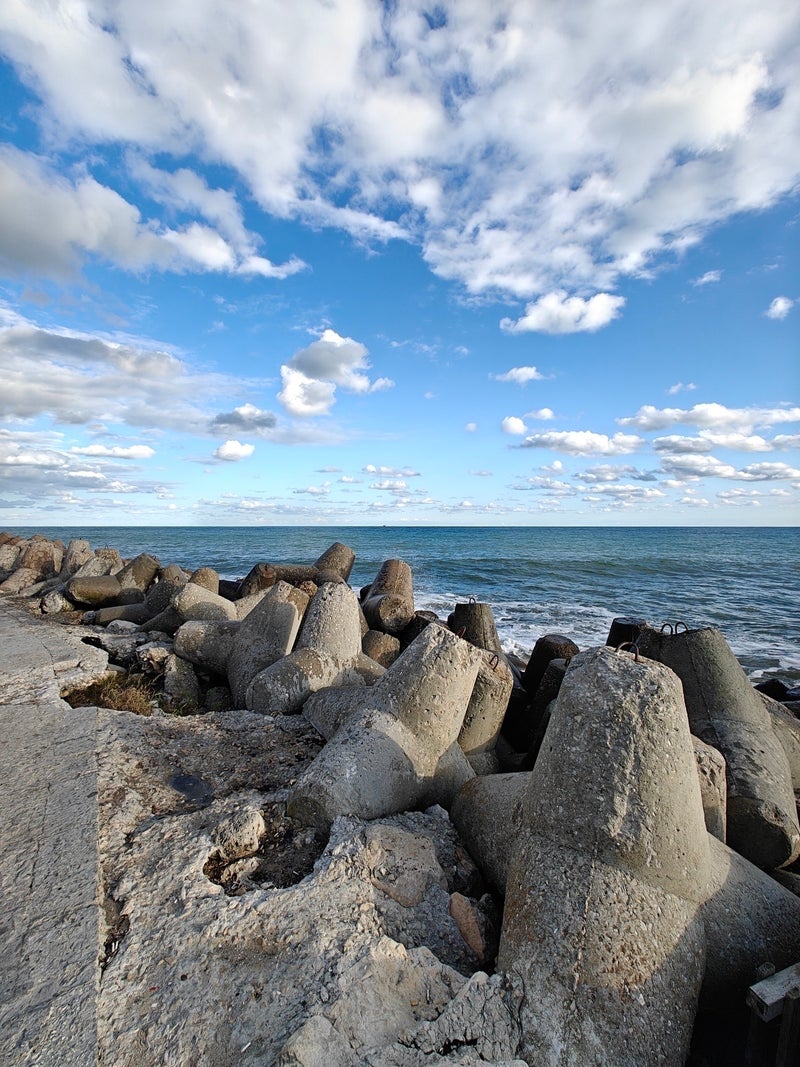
(49, 894)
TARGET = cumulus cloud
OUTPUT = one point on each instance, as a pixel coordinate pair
(311, 376)
(584, 442)
(612, 154)
(471, 427)
(542, 414)
(513, 425)
(710, 416)
(233, 451)
(693, 466)
(392, 472)
(115, 451)
(559, 313)
(51, 224)
(83, 379)
(604, 472)
(519, 375)
(245, 419)
(779, 308)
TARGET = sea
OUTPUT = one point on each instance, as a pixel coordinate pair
(538, 580)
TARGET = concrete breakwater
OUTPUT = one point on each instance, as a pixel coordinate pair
(596, 914)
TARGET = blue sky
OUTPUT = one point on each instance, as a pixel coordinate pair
(399, 263)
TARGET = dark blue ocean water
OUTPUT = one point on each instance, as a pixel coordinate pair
(539, 579)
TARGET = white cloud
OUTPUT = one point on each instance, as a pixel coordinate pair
(392, 472)
(519, 375)
(233, 451)
(315, 490)
(471, 427)
(51, 224)
(543, 414)
(681, 387)
(513, 425)
(626, 134)
(115, 451)
(691, 467)
(303, 396)
(244, 419)
(708, 278)
(710, 416)
(779, 308)
(559, 313)
(311, 376)
(584, 442)
(604, 472)
(81, 379)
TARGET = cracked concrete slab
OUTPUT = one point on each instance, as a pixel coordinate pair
(49, 929)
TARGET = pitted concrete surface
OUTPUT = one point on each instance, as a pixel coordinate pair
(49, 915)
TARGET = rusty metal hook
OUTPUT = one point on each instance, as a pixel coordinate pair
(494, 661)
(667, 628)
(680, 622)
(472, 600)
(629, 645)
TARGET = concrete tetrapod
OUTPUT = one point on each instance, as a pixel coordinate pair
(601, 916)
(726, 711)
(389, 604)
(384, 757)
(326, 651)
(749, 917)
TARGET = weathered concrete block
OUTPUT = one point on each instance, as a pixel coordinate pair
(475, 623)
(726, 712)
(389, 606)
(139, 573)
(265, 636)
(206, 577)
(137, 613)
(487, 705)
(95, 591)
(548, 647)
(43, 557)
(196, 602)
(338, 558)
(328, 709)
(102, 561)
(10, 551)
(787, 730)
(326, 649)
(284, 686)
(602, 895)
(713, 787)
(20, 579)
(170, 580)
(383, 648)
(382, 759)
(180, 683)
(331, 622)
(78, 552)
(207, 644)
(259, 578)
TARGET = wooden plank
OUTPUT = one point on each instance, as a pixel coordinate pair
(766, 997)
(788, 1054)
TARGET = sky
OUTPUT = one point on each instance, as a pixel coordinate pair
(344, 262)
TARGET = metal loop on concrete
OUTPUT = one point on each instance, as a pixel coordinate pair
(667, 628)
(494, 661)
(629, 646)
(472, 600)
(683, 624)
(461, 632)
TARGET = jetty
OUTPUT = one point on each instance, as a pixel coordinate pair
(284, 821)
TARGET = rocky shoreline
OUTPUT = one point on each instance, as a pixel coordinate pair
(350, 831)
